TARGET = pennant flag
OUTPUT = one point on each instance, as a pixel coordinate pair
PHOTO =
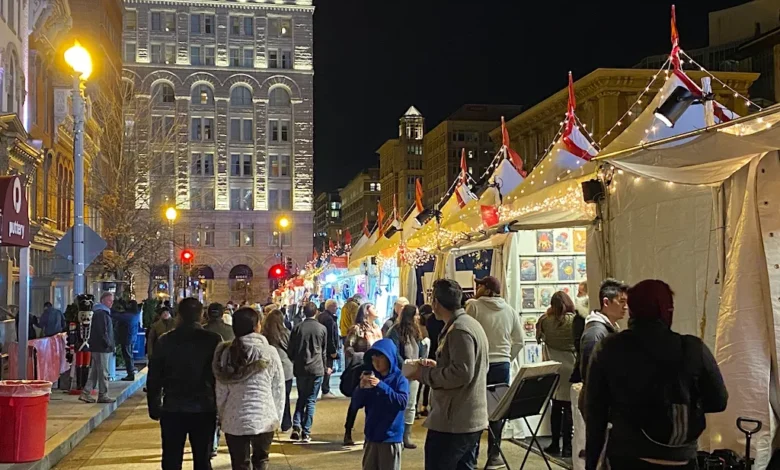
(380, 216)
(330, 245)
(315, 255)
(347, 238)
(395, 208)
(365, 227)
(514, 157)
(489, 215)
(575, 143)
(463, 195)
(675, 55)
(464, 170)
(418, 195)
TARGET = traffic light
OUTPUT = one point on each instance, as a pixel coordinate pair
(277, 271)
(289, 264)
(187, 256)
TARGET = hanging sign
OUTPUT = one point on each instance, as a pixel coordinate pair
(14, 219)
(338, 262)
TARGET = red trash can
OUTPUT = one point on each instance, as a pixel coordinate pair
(23, 408)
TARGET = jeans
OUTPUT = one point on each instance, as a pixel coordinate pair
(286, 418)
(326, 377)
(98, 374)
(411, 405)
(624, 463)
(448, 451)
(127, 355)
(248, 452)
(498, 373)
(176, 427)
(217, 433)
(308, 389)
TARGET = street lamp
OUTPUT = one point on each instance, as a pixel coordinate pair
(283, 223)
(170, 214)
(80, 61)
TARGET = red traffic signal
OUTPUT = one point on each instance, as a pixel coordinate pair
(277, 271)
(187, 256)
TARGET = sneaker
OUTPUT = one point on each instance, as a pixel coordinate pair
(129, 378)
(424, 413)
(87, 398)
(495, 462)
(296, 434)
(106, 399)
(348, 441)
(213, 453)
(328, 396)
(305, 437)
(552, 449)
(566, 452)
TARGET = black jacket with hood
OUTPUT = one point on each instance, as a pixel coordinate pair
(620, 382)
(597, 327)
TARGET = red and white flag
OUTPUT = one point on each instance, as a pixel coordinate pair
(462, 191)
(573, 139)
(380, 216)
(365, 227)
(514, 157)
(418, 195)
(347, 238)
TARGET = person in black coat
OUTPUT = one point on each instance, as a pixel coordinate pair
(327, 318)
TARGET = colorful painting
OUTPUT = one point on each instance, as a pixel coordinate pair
(580, 238)
(566, 289)
(565, 269)
(562, 240)
(547, 269)
(544, 241)
(529, 297)
(529, 326)
(527, 269)
(533, 353)
(581, 268)
(545, 295)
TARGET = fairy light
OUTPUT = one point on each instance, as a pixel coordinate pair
(737, 94)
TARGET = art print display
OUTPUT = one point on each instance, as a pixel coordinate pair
(580, 238)
(544, 241)
(565, 269)
(545, 295)
(562, 240)
(528, 269)
(547, 268)
(580, 268)
(529, 298)
(533, 353)
(529, 326)
(566, 289)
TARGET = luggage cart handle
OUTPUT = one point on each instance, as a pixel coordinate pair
(748, 431)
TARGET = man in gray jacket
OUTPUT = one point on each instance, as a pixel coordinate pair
(101, 347)
(458, 382)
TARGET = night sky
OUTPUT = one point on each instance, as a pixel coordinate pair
(375, 58)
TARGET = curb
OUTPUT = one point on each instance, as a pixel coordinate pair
(62, 449)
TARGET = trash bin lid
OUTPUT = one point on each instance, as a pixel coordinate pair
(24, 388)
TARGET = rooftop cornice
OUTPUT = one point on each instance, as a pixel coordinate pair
(275, 5)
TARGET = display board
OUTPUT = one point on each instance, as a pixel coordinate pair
(550, 261)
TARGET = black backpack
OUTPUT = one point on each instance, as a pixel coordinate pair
(350, 378)
(675, 418)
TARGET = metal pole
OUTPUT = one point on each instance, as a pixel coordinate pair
(24, 311)
(79, 283)
(171, 287)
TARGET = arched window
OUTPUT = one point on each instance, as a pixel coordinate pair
(163, 93)
(202, 94)
(279, 97)
(241, 96)
(10, 100)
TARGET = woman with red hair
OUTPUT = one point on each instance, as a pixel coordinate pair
(653, 385)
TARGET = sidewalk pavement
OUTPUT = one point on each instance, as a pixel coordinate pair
(70, 421)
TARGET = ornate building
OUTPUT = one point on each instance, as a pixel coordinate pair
(401, 162)
(359, 202)
(231, 85)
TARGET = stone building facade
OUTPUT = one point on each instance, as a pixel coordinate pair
(232, 84)
(401, 163)
(359, 200)
(327, 220)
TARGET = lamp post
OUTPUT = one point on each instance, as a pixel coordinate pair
(283, 223)
(80, 61)
(170, 214)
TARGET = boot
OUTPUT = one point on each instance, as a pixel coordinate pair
(566, 430)
(348, 441)
(556, 419)
(408, 444)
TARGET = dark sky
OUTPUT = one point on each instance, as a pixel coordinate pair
(375, 58)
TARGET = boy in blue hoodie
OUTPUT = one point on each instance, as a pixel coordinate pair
(384, 394)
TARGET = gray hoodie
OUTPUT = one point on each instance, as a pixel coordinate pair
(501, 324)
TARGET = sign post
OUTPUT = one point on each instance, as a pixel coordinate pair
(15, 231)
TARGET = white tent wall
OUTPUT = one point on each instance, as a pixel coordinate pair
(408, 282)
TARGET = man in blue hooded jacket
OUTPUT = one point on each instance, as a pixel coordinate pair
(384, 392)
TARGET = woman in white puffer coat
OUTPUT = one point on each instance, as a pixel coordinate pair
(250, 392)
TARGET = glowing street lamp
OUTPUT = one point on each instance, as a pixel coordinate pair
(283, 222)
(171, 214)
(80, 61)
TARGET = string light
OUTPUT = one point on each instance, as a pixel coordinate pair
(737, 94)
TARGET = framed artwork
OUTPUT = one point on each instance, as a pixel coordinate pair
(565, 269)
(547, 268)
(544, 241)
(528, 269)
(533, 353)
(529, 327)
(580, 268)
(566, 289)
(562, 240)
(529, 298)
(545, 295)
(580, 239)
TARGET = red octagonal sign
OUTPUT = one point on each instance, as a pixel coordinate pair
(14, 219)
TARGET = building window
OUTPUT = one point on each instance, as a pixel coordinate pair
(279, 166)
(170, 22)
(279, 238)
(279, 97)
(235, 57)
(279, 130)
(202, 129)
(241, 199)
(157, 54)
(208, 24)
(280, 27)
(209, 59)
(156, 21)
(286, 59)
(202, 199)
(195, 55)
(170, 54)
(249, 26)
(202, 95)
(249, 57)
(241, 96)
(241, 130)
(164, 93)
(279, 199)
(273, 59)
(129, 52)
(131, 20)
(334, 214)
(241, 165)
(162, 127)
(235, 25)
(163, 164)
(203, 235)
(195, 24)
(202, 164)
